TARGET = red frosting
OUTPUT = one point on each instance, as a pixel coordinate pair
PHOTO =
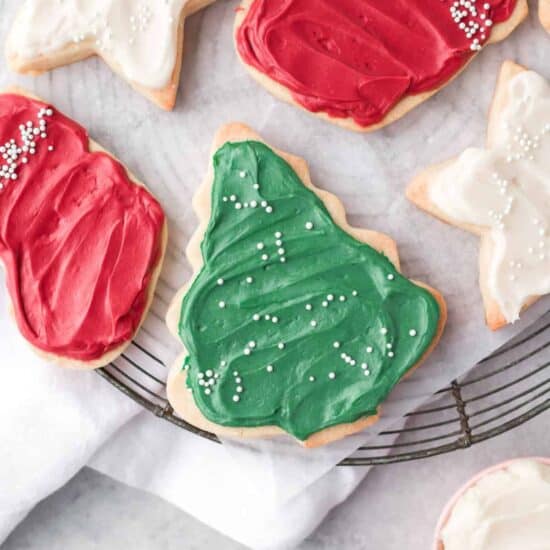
(359, 58)
(78, 239)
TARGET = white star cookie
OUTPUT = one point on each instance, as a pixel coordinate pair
(544, 13)
(502, 194)
(141, 40)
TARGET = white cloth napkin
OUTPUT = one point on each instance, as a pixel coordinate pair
(53, 421)
(205, 480)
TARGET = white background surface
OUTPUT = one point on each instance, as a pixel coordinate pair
(170, 151)
(395, 508)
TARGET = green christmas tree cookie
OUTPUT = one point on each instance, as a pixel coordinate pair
(290, 322)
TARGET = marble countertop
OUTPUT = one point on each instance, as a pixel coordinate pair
(93, 512)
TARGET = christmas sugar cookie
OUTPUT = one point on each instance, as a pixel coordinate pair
(544, 13)
(141, 41)
(502, 194)
(363, 64)
(294, 321)
(80, 239)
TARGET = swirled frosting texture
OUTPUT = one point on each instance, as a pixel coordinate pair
(506, 189)
(358, 58)
(291, 321)
(78, 239)
(505, 510)
(141, 38)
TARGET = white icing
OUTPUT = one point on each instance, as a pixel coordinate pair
(507, 189)
(506, 510)
(139, 36)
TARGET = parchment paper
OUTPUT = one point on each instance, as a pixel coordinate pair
(170, 152)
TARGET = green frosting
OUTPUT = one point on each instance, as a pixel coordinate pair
(291, 321)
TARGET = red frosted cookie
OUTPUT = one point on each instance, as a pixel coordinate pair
(81, 240)
(363, 64)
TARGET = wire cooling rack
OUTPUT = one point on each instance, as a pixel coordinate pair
(500, 393)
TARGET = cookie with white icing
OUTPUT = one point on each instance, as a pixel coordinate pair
(81, 239)
(358, 65)
(294, 321)
(141, 41)
(502, 194)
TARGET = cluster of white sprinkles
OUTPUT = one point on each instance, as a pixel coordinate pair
(238, 386)
(274, 247)
(16, 152)
(473, 19)
(207, 380)
(522, 147)
(99, 28)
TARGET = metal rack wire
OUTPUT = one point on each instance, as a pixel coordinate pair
(500, 393)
